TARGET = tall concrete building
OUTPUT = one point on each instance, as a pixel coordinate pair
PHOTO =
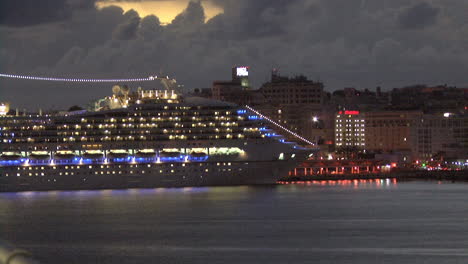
(440, 135)
(350, 130)
(287, 91)
(296, 101)
(389, 131)
(233, 90)
(240, 74)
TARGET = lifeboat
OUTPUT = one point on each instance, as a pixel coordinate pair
(65, 157)
(39, 157)
(145, 155)
(119, 155)
(170, 155)
(67, 154)
(198, 156)
(11, 158)
(92, 156)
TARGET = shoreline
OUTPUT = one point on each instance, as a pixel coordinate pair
(461, 175)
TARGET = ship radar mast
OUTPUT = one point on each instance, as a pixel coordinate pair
(168, 83)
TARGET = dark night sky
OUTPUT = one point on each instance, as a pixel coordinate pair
(344, 43)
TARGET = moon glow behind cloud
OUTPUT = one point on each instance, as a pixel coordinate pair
(166, 11)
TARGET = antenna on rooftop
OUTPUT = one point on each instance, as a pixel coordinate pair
(125, 90)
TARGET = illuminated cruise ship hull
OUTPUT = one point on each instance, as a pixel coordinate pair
(155, 139)
(122, 175)
(238, 174)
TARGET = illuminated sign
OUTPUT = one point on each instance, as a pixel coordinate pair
(347, 112)
(242, 71)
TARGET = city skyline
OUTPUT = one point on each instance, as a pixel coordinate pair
(233, 131)
(342, 43)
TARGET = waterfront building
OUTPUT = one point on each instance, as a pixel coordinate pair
(350, 129)
(440, 136)
(389, 131)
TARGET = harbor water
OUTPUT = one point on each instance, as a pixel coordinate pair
(366, 221)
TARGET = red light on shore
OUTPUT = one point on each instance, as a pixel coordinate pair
(394, 165)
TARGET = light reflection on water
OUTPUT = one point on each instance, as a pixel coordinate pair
(347, 221)
(100, 193)
(227, 191)
(362, 183)
(356, 184)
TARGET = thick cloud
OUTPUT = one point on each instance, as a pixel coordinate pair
(341, 42)
(27, 12)
(32, 12)
(127, 30)
(193, 14)
(418, 16)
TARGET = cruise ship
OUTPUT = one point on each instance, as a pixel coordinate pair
(143, 139)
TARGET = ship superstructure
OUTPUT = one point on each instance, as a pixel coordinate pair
(145, 139)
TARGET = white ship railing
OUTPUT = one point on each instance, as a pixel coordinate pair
(86, 80)
(279, 126)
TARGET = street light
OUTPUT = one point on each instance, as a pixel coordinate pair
(315, 119)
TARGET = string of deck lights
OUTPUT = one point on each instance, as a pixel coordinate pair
(55, 79)
(280, 126)
(150, 78)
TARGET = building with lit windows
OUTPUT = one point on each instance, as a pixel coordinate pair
(240, 74)
(296, 101)
(440, 136)
(236, 90)
(228, 91)
(389, 131)
(350, 130)
(143, 139)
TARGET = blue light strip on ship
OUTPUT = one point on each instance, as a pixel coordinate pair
(102, 160)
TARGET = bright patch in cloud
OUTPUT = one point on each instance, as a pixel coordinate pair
(165, 10)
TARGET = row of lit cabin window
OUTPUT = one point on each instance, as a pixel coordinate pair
(131, 138)
(70, 170)
(156, 132)
(132, 132)
(129, 115)
(120, 166)
(151, 116)
(130, 124)
(169, 119)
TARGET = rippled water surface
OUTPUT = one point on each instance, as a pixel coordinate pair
(311, 222)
